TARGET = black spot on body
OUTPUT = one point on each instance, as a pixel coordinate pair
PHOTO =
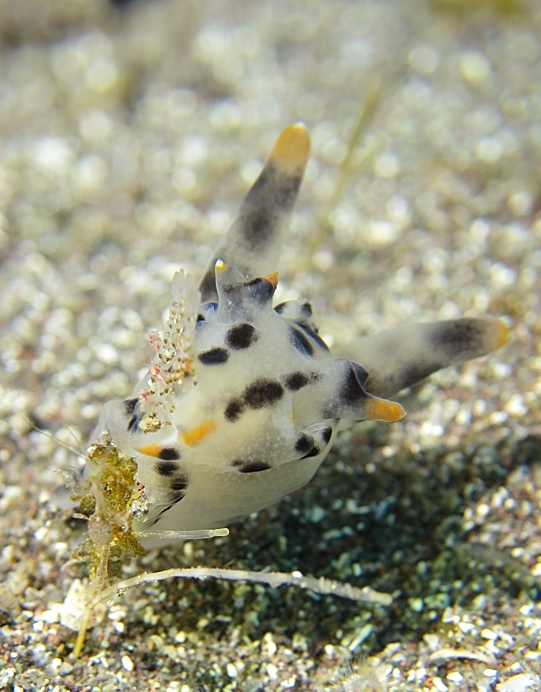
(351, 391)
(208, 285)
(255, 466)
(169, 454)
(296, 381)
(306, 309)
(360, 373)
(166, 468)
(257, 292)
(249, 466)
(313, 335)
(313, 453)
(233, 410)
(300, 313)
(305, 444)
(300, 342)
(457, 337)
(282, 189)
(262, 393)
(129, 406)
(209, 310)
(241, 336)
(258, 227)
(180, 483)
(326, 435)
(215, 356)
(288, 191)
(260, 290)
(132, 425)
(271, 193)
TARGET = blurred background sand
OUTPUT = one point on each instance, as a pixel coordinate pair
(129, 133)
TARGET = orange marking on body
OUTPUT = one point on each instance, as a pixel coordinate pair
(151, 450)
(194, 436)
(291, 149)
(381, 409)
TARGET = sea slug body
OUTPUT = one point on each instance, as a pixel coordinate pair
(242, 401)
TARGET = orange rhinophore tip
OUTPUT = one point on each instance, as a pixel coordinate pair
(381, 409)
(273, 278)
(501, 334)
(291, 150)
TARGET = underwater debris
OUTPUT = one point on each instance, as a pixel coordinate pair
(363, 675)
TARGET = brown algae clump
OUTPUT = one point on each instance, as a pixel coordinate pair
(105, 497)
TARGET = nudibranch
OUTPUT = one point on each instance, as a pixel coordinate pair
(243, 399)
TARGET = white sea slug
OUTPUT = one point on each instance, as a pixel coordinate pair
(243, 399)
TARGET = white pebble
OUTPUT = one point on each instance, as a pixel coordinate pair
(439, 685)
(488, 634)
(362, 634)
(53, 154)
(90, 173)
(317, 513)
(516, 683)
(323, 260)
(489, 149)
(106, 353)
(521, 203)
(173, 686)
(498, 417)
(515, 406)
(386, 165)
(482, 510)
(398, 210)
(479, 230)
(475, 67)
(49, 616)
(101, 75)
(269, 645)
(272, 671)
(382, 232)
(127, 663)
(455, 676)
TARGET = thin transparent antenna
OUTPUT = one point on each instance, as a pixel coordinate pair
(322, 585)
(78, 452)
(184, 535)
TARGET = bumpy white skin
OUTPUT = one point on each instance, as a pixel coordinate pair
(260, 419)
(257, 413)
